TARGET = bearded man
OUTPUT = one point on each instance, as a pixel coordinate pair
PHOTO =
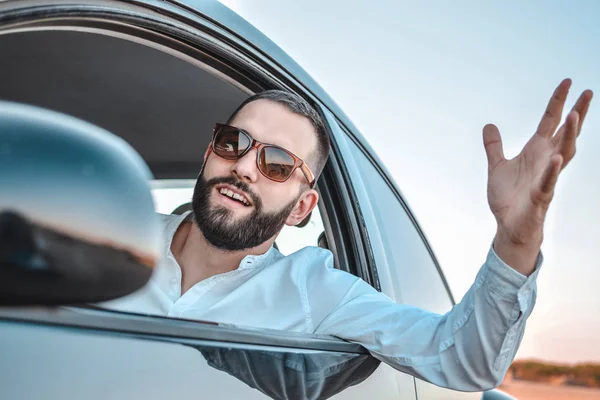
(258, 175)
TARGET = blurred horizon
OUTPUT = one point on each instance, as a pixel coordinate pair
(420, 81)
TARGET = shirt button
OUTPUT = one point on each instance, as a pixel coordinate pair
(174, 280)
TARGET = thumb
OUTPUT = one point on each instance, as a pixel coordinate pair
(493, 145)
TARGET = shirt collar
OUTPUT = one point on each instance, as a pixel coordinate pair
(258, 261)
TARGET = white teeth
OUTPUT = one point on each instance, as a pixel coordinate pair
(236, 196)
(240, 198)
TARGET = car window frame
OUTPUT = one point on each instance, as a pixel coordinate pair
(253, 70)
(141, 326)
(346, 223)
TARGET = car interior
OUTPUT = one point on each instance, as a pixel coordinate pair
(160, 102)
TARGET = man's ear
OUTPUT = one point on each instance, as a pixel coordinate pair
(306, 203)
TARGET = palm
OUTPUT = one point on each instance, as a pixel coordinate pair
(520, 190)
(512, 191)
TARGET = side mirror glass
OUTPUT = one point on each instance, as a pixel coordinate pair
(77, 220)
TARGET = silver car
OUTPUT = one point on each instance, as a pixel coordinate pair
(159, 74)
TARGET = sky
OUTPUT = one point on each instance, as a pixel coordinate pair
(420, 80)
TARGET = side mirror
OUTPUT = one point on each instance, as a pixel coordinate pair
(77, 220)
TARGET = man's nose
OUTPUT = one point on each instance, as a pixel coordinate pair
(245, 168)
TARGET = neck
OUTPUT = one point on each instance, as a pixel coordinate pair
(200, 260)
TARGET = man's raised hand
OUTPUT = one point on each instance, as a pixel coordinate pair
(520, 190)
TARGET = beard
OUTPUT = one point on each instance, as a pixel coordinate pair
(219, 226)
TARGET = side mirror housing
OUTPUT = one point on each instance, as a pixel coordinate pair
(77, 220)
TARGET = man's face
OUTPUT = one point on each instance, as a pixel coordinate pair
(230, 224)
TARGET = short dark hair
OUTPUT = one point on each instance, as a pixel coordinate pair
(297, 105)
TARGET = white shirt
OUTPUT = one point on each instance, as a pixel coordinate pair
(469, 348)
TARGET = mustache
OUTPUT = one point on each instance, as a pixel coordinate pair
(243, 186)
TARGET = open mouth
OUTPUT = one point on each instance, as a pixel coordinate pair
(234, 196)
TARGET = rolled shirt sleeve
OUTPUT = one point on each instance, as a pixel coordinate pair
(469, 348)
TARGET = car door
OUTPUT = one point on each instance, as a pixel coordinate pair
(405, 268)
(99, 354)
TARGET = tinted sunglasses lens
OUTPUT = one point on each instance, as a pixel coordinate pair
(275, 163)
(230, 142)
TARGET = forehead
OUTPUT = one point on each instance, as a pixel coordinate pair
(271, 122)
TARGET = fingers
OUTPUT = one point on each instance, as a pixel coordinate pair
(581, 106)
(566, 147)
(553, 112)
(493, 145)
(548, 182)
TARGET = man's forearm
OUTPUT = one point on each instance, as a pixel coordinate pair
(469, 348)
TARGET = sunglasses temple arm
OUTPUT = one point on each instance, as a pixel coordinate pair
(308, 175)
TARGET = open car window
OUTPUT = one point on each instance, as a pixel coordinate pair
(159, 94)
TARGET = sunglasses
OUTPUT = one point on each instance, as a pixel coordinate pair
(274, 162)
